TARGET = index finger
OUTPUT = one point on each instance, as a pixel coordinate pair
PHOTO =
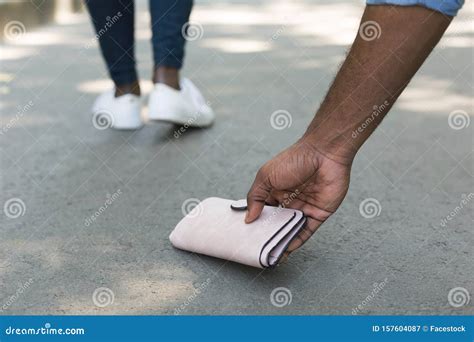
(258, 193)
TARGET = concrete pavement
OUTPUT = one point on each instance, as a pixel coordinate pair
(253, 59)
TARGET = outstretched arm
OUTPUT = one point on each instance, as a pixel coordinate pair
(313, 174)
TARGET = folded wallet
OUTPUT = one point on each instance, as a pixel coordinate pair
(216, 227)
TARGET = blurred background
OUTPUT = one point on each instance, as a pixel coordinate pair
(35, 13)
(251, 59)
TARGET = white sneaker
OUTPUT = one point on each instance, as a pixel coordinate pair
(184, 107)
(121, 112)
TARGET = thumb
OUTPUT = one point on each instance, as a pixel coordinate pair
(256, 196)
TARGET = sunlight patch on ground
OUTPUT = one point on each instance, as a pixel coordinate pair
(459, 33)
(100, 85)
(67, 18)
(45, 36)
(334, 24)
(4, 77)
(45, 251)
(143, 34)
(233, 45)
(13, 53)
(432, 96)
(95, 86)
(163, 287)
(156, 293)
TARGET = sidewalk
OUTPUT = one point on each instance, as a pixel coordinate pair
(252, 60)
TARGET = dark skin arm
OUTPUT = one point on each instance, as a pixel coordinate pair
(314, 172)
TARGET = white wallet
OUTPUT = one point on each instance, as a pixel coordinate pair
(216, 227)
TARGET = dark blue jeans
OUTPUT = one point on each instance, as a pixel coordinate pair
(114, 25)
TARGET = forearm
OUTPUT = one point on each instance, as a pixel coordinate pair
(372, 77)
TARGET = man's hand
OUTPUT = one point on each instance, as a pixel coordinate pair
(302, 178)
(313, 174)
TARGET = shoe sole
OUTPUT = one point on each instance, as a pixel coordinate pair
(179, 122)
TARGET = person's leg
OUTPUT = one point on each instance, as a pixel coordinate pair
(173, 99)
(167, 19)
(114, 25)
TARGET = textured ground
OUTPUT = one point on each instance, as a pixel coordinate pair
(252, 60)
